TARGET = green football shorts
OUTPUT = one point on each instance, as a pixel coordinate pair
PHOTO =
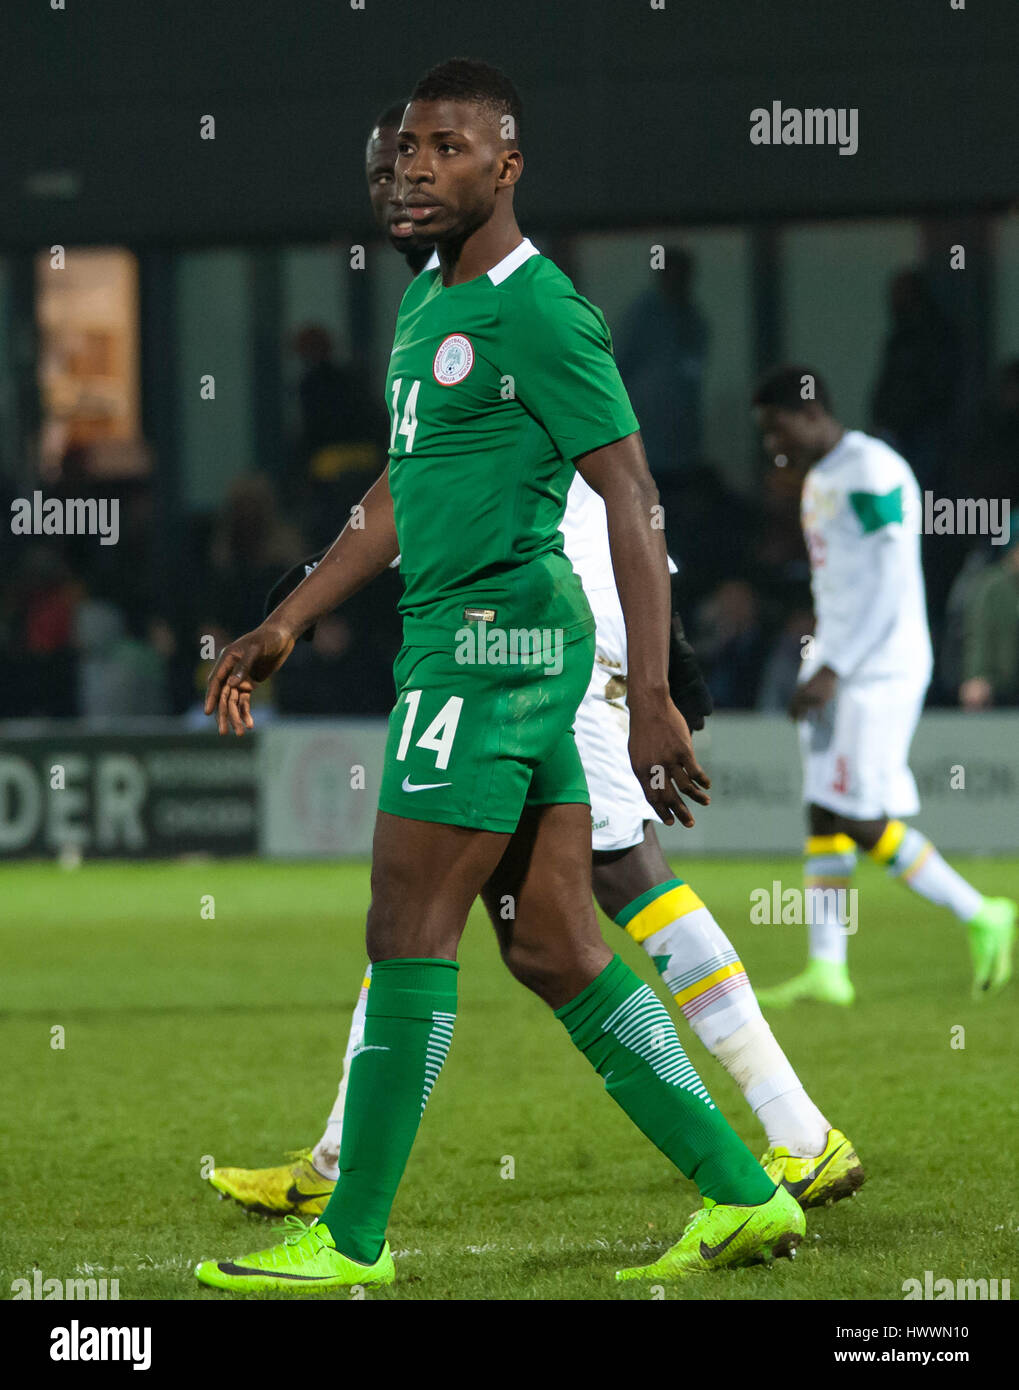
(472, 744)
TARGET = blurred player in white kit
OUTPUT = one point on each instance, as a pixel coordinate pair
(862, 685)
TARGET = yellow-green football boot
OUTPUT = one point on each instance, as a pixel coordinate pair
(720, 1237)
(834, 1173)
(295, 1188)
(992, 935)
(306, 1258)
(823, 982)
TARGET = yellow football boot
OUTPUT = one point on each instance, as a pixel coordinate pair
(295, 1188)
(720, 1237)
(834, 1173)
(306, 1259)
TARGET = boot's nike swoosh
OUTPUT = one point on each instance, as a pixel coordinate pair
(228, 1267)
(708, 1252)
(796, 1188)
(294, 1194)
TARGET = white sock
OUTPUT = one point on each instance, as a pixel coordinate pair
(326, 1154)
(829, 863)
(702, 971)
(774, 1092)
(911, 858)
(828, 939)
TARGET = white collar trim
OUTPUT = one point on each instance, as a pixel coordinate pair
(505, 268)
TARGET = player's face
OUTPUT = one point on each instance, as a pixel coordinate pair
(788, 436)
(380, 163)
(449, 166)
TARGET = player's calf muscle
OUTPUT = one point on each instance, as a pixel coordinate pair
(539, 900)
(621, 876)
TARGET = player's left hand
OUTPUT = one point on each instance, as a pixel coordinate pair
(813, 693)
(662, 756)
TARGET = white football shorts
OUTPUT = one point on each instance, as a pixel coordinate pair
(602, 730)
(856, 750)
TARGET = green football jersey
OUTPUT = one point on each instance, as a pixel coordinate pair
(494, 387)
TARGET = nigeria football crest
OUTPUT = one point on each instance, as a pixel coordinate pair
(454, 360)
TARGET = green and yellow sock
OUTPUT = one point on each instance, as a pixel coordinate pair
(696, 960)
(910, 857)
(828, 868)
(703, 972)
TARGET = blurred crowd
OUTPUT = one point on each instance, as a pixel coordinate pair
(86, 632)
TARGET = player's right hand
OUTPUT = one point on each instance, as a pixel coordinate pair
(241, 665)
(976, 693)
(814, 693)
(662, 756)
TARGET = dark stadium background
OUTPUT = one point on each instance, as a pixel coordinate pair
(176, 977)
(231, 257)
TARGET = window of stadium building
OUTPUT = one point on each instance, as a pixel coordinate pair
(88, 362)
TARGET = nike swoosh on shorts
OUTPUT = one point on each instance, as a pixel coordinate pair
(409, 786)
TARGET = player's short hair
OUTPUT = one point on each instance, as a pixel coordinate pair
(466, 79)
(391, 118)
(783, 387)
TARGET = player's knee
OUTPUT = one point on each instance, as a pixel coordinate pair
(409, 916)
(392, 892)
(557, 969)
(864, 833)
(394, 928)
(384, 934)
(536, 968)
(823, 822)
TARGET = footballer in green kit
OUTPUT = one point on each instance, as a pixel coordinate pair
(501, 382)
(498, 634)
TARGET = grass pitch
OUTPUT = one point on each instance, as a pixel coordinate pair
(186, 1037)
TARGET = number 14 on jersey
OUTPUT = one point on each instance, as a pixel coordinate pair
(408, 425)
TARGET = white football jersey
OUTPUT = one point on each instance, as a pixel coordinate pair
(861, 514)
(586, 537)
(585, 531)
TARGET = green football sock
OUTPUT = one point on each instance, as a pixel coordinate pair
(624, 1031)
(407, 1031)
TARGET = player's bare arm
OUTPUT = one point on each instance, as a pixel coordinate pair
(359, 553)
(659, 736)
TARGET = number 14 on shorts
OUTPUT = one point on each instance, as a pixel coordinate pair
(438, 736)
